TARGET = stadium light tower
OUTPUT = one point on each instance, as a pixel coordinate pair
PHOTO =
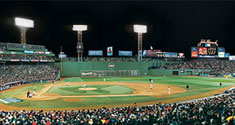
(79, 29)
(140, 29)
(24, 24)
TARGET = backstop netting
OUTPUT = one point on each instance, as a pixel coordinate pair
(108, 73)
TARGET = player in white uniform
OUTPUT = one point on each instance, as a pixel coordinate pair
(34, 91)
(169, 90)
(151, 83)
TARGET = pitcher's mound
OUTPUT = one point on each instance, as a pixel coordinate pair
(87, 89)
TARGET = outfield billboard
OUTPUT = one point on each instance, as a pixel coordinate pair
(202, 51)
(124, 53)
(110, 51)
(62, 56)
(95, 53)
(171, 54)
(155, 53)
(227, 55)
(221, 52)
(232, 58)
(194, 52)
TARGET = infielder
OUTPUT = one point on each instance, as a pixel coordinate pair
(169, 90)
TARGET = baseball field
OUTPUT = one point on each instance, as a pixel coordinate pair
(83, 93)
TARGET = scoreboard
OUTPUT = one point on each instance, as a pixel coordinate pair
(207, 51)
(205, 48)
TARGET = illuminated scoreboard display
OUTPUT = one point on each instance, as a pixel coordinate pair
(205, 48)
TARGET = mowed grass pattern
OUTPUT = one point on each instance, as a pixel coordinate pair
(100, 90)
(198, 85)
(180, 81)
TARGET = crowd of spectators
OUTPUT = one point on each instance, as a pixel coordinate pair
(208, 111)
(27, 72)
(208, 66)
(25, 57)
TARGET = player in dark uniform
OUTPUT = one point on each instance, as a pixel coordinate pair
(28, 93)
(220, 84)
(187, 87)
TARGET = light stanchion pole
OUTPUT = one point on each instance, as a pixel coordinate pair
(79, 29)
(140, 29)
(23, 24)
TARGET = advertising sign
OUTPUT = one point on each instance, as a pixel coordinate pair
(34, 60)
(212, 51)
(29, 51)
(14, 60)
(171, 54)
(221, 52)
(25, 60)
(124, 53)
(206, 56)
(227, 55)
(62, 56)
(155, 53)
(47, 52)
(231, 58)
(221, 49)
(181, 55)
(95, 52)
(194, 52)
(202, 51)
(144, 52)
(110, 51)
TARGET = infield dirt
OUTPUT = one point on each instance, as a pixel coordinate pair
(142, 89)
(158, 90)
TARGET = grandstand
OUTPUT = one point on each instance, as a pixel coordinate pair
(25, 63)
(14, 52)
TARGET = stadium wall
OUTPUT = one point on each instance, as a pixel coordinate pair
(70, 69)
(190, 72)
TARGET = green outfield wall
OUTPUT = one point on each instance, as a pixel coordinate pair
(75, 68)
(70, 69)
(173, 72)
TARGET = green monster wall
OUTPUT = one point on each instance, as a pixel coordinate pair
(173, 72)
(70, 69)
(75, 68)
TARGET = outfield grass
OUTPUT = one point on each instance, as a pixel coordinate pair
(101, 90)
(198, 85)
(180, 81)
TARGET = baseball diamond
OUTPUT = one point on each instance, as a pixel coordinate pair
(117, 62)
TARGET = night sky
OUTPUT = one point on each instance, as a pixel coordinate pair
(173, 26)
